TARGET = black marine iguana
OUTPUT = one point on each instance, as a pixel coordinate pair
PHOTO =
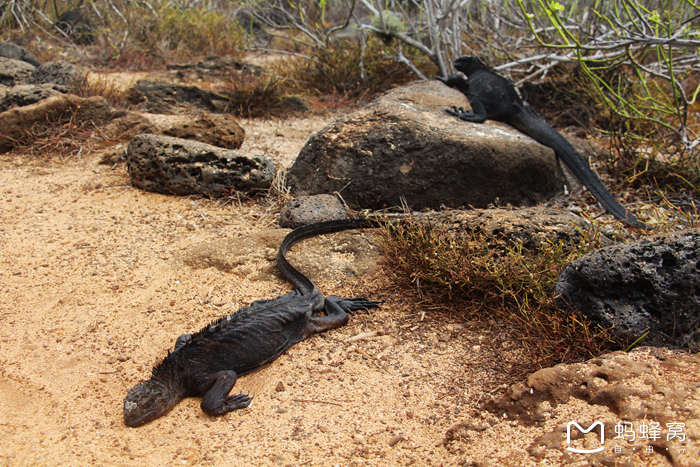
(493, 96)
(209, 362)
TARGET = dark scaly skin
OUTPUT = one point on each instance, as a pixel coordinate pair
(207, 364)
(494, 97)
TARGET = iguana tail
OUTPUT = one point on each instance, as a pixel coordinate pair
(531, 124)
(302, 283)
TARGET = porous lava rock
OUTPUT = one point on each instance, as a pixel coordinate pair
(22, 95)
(643, 386)
(651, 286)
(14, 71)
(164, 164)
(164, 98)
(58, 72)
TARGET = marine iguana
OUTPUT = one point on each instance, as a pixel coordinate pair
(208, 362)
(493, 96)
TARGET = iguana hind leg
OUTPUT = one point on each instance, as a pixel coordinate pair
(353, 304)
(337, 310)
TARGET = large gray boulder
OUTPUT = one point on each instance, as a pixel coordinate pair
(404, 145)
(16, 52)
(164, 164)
(652, 285)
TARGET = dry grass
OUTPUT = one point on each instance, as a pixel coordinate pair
(89, 86)
(502, 285)
(251, 96)
(341, 72)
(60, 139)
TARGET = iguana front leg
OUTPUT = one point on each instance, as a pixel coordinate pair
(182, 341)
(460, 82)
(217, 401)
(467, 116)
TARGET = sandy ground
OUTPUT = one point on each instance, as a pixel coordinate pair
(94, 291)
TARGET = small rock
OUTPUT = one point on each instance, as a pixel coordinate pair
(58, 72)
(280, 387)
(306, 210)
(16, 52)
(218, 130)
(22, 95)
(14, 72)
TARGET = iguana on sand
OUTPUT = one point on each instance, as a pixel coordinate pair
(207, 364)
(493, 96)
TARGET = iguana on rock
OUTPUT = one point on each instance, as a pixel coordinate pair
(206, 364)
(493, 96)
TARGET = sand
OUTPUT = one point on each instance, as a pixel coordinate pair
(94, 292)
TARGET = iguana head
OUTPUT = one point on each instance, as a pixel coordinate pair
(147, 401)
(468, 64)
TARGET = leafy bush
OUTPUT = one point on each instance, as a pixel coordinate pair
(638, 60)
